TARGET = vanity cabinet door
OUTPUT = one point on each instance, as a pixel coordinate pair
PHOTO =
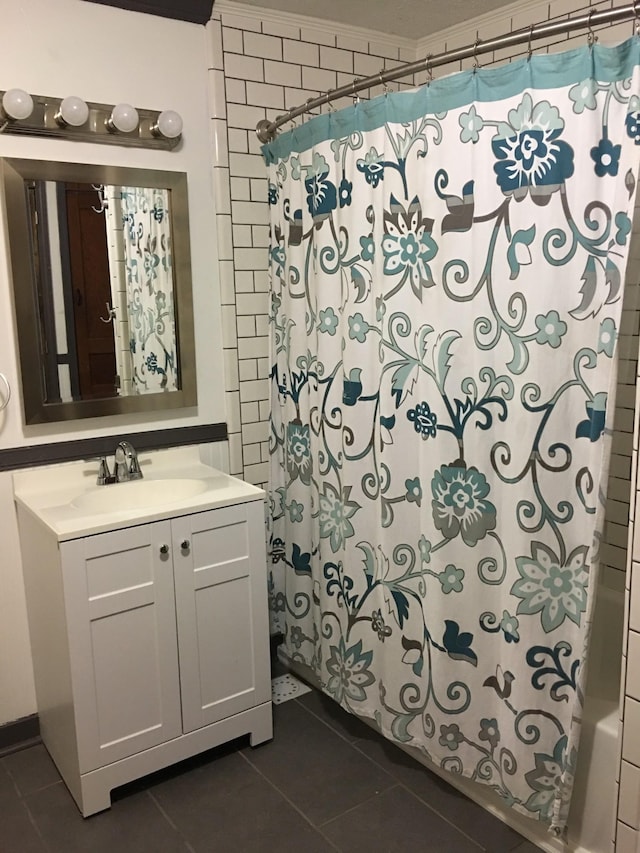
(221, 605)
(121, 625)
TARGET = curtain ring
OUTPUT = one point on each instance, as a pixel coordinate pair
(356, 96)
(592, 38)
(476, 64)
(383, 83)
(529, 48)
(429, 68)
(4, 403)
(637, 17)
(332, 109)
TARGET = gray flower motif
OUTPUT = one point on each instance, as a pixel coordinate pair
(459, 503)
(552, 778)
(295, 511)
(509, 626)
(378, 625)
(296, 636)
(583, 95)
(335, 512)
(471, 124)
(450, 736)
(328, 321)
(489, 731)
(451, 579)
(414, 491)
(349, 670)
(425, 549)
(556, 591)
(551, 329)
(358, 328)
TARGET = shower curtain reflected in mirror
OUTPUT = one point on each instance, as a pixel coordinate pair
(447, 267)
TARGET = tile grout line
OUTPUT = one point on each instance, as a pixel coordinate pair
(165, 815)
(290, 802)
(397, 781)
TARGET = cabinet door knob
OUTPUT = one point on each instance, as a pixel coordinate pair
(185, 545)
(164, 549)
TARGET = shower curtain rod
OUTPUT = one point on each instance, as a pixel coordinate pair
(266, 130)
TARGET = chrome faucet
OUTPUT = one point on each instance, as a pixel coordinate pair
(126, 468)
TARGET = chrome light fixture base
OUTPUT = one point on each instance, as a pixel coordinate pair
(98, 128)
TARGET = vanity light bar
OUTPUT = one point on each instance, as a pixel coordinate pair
(73, 118)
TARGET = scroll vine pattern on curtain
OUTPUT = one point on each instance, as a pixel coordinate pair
(149, 269)
(446, 295)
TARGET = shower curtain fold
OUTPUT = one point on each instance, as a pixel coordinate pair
(446, 271)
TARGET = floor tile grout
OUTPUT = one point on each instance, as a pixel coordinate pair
(290, 802)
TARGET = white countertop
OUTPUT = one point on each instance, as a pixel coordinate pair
(48, 492)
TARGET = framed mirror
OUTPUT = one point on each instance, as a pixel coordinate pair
(102, 288)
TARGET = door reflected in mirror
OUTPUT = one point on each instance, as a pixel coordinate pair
(102, 288)
(105, 266)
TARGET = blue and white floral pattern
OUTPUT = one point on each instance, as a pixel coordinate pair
(447, 276)
(149, 270)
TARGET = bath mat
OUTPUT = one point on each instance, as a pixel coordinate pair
(286, 687)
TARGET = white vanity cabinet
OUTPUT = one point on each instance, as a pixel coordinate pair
(150, 642)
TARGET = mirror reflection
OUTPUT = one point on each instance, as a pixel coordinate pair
(102, 288)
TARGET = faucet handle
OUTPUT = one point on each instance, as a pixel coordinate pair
(104, 475)
(134, 468)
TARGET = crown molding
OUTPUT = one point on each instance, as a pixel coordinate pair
(296, 20)
(538, 8)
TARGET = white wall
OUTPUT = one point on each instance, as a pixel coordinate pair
(105, 55)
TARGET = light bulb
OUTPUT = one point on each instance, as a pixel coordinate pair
(17, 104)
(168, 124)
(124, 118)
(72, 111)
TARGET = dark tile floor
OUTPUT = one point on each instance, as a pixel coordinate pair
(326, 782)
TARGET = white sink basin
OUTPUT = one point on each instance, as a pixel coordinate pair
(137, 494)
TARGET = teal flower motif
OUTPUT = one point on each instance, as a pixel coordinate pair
(509, 626)
(334, 516)
(349, 669)
(295, 510)
(471, 124)
(299, 463)
(583, 95)
(407, 245)
(606, 157)
(450, 736)
(425, 549)
(378, 625)
(328, 321)
(552, 779)
(623, 225)
(530, 156)
(344, 192)
(489, 731)
(322, 197)
(424, 420)
(459, 503)
(451, 579)
(414, 491)
(273, 193)
(556, 591)
(607, 337)
(367, 247)
(372, 167)
(358, 328)
(551, 329)
(632, 123)
(593, 426)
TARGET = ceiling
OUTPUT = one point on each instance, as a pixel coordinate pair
(411, 19)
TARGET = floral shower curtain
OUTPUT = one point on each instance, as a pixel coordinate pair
(149, 269)
(447, 267)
